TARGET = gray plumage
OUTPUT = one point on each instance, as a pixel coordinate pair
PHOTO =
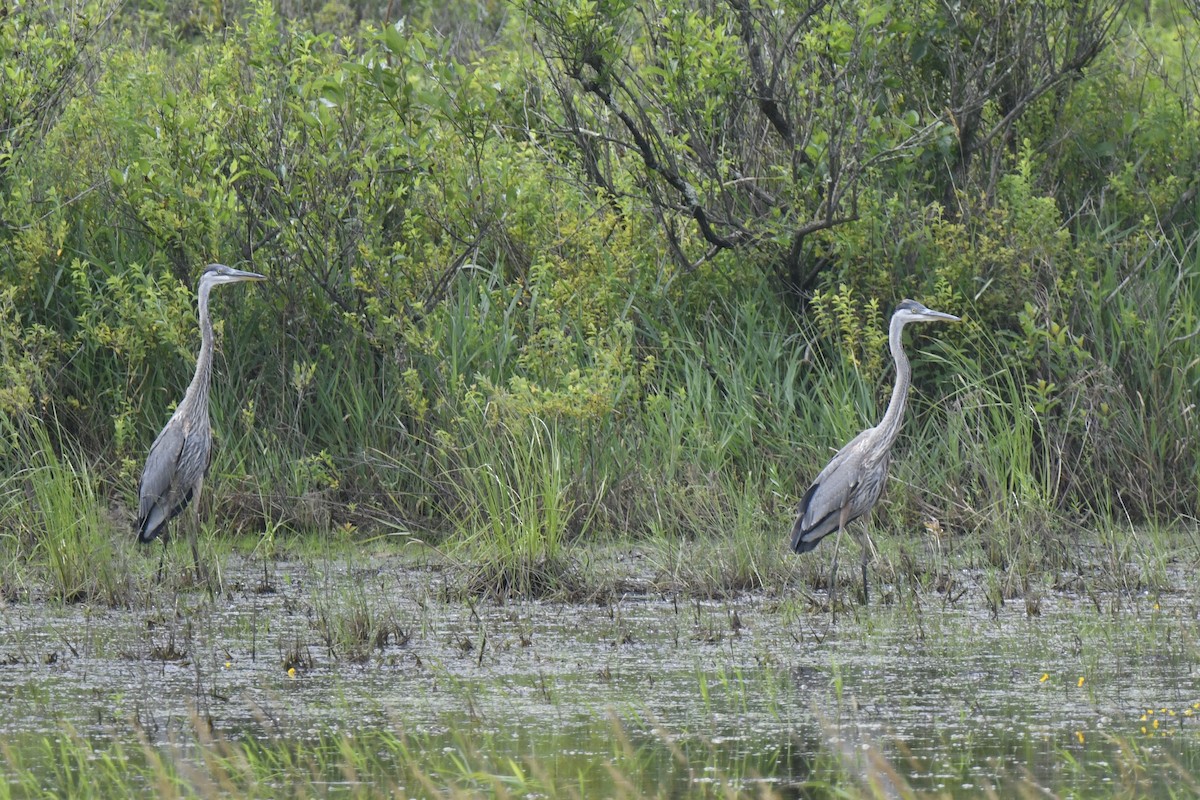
(179, 457)
(853, 480)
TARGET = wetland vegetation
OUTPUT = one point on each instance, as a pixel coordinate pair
(569, 302)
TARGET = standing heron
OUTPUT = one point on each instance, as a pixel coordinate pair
(179, 457)
(852, 481)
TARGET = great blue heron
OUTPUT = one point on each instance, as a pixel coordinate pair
(179, 457)
(852, 481)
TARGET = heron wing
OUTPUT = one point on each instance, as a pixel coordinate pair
(158, 487)
(843, 491)
(178, 461)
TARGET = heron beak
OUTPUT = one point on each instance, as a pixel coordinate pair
(243, 275)
(938, 316)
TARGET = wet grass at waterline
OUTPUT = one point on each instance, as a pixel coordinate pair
(608, 762)
(518, 511)
(612, 761)
(712, 454)
(58, 537)
(334, 671)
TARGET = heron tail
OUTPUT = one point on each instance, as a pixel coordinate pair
(151, 524)
(801, 544)
(805, 538)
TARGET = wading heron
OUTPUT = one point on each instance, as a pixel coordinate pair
(179, 457)
(852, 481)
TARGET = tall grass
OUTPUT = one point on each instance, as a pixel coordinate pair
(517, 509)
(1141, 319)
(57, 523)
(714, 445)
(624, 763)
(973, 463)
(376, 762)
(745, 408)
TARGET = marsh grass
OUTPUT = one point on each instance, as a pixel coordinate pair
(517, 510)
(61, 527)
(368, 764)
(743, 406)
(727, 550)
(1140, 559)
(1140, 388)
(352, 627)
(637, 758)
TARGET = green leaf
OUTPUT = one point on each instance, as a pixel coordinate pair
(394, 41)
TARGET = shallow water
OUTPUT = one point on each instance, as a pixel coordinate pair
(954, 696)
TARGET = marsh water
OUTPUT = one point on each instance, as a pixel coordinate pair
(753, 692)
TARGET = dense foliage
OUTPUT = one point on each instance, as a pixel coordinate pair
(556, 267)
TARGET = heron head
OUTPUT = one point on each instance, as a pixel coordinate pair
(912, 311)
(216, 274)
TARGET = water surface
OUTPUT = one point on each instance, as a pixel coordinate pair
(753, 691)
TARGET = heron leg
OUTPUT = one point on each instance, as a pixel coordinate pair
(864, 545)
(162, 555)
(866, 598)
(868, 552)
(831, 588)
(201, 572)
(193, 540)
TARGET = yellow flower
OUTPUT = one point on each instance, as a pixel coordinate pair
(1079, 736)
(1155, 724)
(1150, 711)
(1172, 713)
(1143, 729)
(1187, 712)
(292, 673)
(1080, 681)
(1143, 719)
(228, 664)
(1045, 677)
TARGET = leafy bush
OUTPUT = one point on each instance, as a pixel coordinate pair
(599, 228)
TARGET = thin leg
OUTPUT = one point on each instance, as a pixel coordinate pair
(868, 548)
(162, 554)
(832, 586)
(194, 534)
(866, 599)
(200, 572)
(194, 540)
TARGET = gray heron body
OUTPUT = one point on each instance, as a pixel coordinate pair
(853, 480)
(179, 457)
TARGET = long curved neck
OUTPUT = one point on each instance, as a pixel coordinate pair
(889, 426)
(197, 391)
